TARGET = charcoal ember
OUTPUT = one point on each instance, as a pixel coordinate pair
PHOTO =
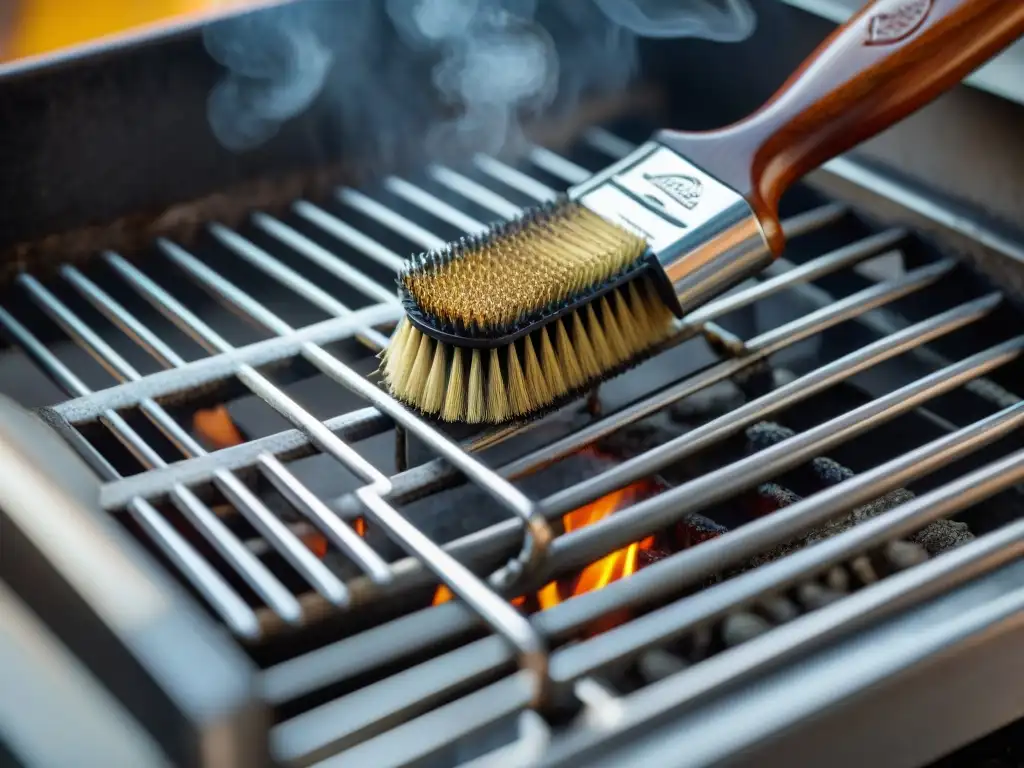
(638, 438)
(860, 514)
(772, 497)
(812, 595)
(695, 529)
(756, 380)
(739, 627)
(863, 570)
(830, 472)
(647, 557)
(657, 664)
(779, 609)
(943, 535)
(899, 555)
(765, 434)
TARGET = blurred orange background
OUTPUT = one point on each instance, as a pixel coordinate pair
(34, 27)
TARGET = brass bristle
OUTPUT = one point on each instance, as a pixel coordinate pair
(494, 280)
(529, 280)
(476, 405)
(455, 396)
(532, 373)
(497, 398)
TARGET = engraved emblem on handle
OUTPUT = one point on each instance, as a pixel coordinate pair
(893, 26)
(685, 190)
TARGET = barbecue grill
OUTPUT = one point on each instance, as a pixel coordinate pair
(803, 515)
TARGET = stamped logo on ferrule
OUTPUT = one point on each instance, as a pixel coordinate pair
(685, 190)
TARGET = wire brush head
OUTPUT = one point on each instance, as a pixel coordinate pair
(515, 321)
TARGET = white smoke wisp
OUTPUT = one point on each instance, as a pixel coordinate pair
(274, 73)
(492, 64)
(723, 21)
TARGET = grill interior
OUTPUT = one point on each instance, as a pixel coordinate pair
(862, 369)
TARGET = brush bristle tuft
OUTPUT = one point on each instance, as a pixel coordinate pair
(536, 372)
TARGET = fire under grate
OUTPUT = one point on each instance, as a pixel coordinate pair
(822, 423)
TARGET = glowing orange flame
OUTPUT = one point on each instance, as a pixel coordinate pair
(617, 565)
(216, 427)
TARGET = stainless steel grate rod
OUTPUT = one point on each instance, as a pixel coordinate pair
(787, 395)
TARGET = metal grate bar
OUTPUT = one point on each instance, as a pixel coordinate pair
(499, 614)
(670, 576)
(633, 523)
(409, 230)
(349, 235)
(605, 141)
(433, 205)
(475, 192)
(156, 484)
(253, 509)
(515, 179)
(785, 396)
(341, 535)
(323, 258)
(116, 314)
(826, 264)
(292, 280)
(423, 736)
(557, 165)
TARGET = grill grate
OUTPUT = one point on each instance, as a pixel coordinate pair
(474, 683)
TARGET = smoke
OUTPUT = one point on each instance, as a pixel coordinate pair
(444, 76)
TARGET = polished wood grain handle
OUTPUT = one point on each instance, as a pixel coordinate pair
(886, 62)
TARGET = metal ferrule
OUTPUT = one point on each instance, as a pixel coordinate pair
(704, 234)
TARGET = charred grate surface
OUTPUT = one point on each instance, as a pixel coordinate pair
(822, 423)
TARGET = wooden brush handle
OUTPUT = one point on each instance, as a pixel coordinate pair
(886, 62)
